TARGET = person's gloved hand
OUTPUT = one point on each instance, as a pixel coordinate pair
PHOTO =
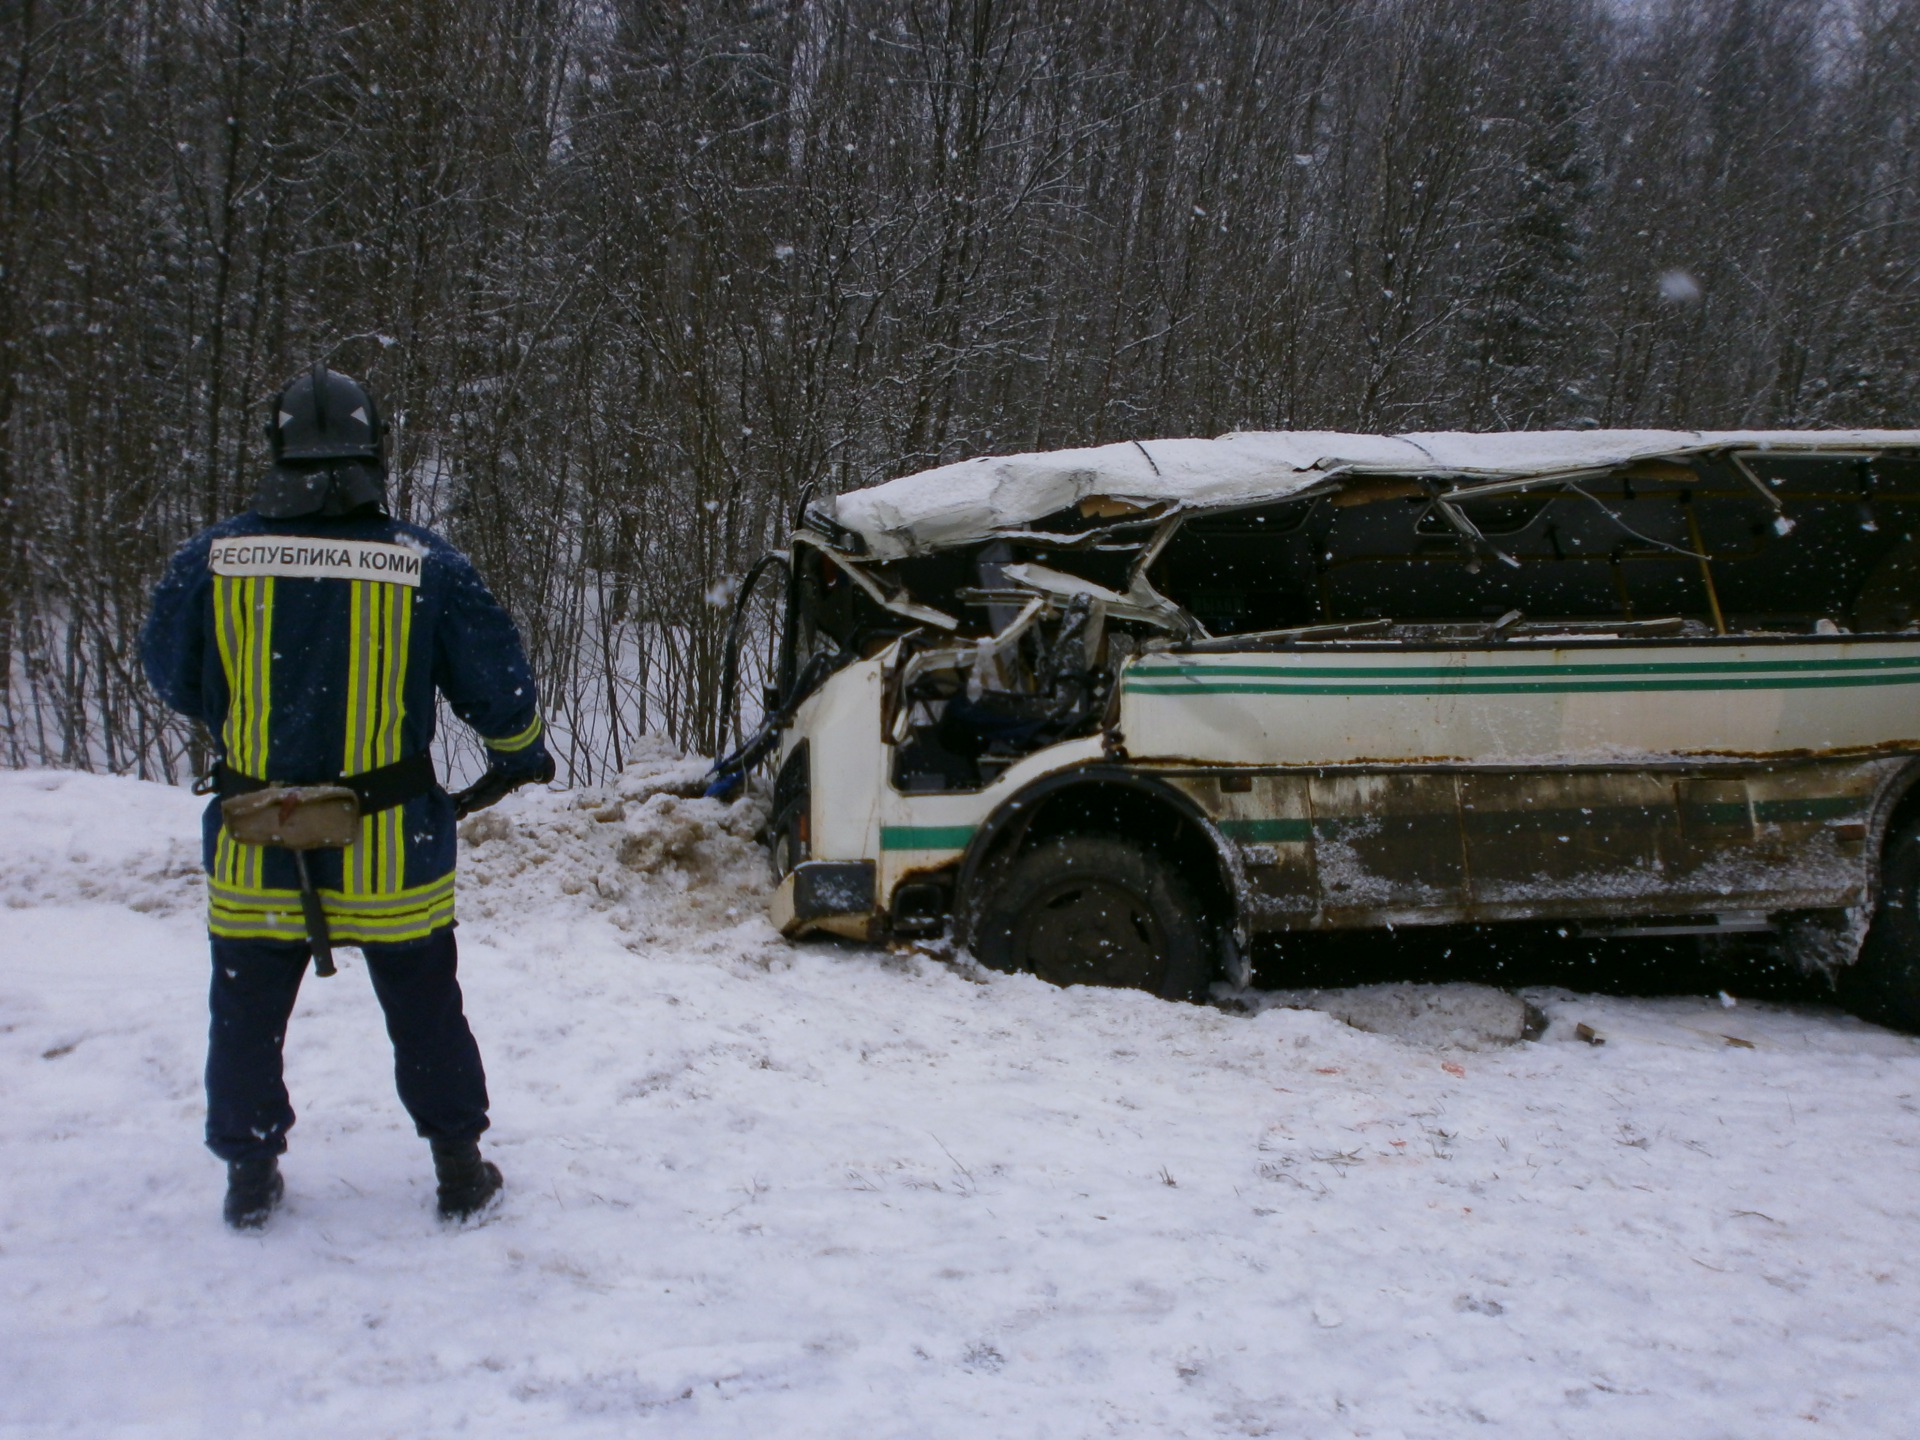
(504, 776)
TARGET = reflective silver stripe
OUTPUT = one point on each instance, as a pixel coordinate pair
(421, 896)
(243, 617)
(287, 926)
(246, 913)
(397, 605)
(363, 659)
(260, 683)
(226, 634)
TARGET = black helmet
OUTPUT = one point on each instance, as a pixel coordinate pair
(326, 434)
(325, 415)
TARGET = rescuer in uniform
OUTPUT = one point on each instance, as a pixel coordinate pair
(310, 635)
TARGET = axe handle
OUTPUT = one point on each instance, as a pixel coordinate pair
(318, 940)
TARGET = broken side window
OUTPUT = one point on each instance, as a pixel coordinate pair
(1850, 554)
(1725, 543)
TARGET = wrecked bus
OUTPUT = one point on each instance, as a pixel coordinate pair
(1107, 714)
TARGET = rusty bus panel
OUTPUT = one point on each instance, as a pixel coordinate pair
(1268, 820)
(1387, 841)
(1325, 850)
(1534, 836)
(1813, 826)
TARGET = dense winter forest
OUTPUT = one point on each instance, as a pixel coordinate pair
(630, 277)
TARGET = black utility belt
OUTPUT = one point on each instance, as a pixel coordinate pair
(376, 790)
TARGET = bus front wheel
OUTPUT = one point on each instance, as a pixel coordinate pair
(1096, 910)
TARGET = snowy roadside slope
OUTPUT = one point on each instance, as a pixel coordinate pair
(820, 1191)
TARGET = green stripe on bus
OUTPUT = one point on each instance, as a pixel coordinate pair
(925, 837)
(1267, 832)
(1815, 807)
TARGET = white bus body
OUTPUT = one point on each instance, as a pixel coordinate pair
(1109, 714)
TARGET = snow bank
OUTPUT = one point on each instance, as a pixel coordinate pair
(67, 836)
(758, 1189)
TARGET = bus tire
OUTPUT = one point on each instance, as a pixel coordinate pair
(1096, 910)
(1883, 985)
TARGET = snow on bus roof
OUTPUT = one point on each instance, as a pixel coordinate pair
(973, 500)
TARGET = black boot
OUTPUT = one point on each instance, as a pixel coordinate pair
(467, 1182)
(254, 1188)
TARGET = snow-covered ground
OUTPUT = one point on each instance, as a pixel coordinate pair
(764, 1190)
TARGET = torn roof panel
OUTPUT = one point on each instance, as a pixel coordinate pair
(973, 500)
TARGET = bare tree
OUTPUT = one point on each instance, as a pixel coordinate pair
(633, 278)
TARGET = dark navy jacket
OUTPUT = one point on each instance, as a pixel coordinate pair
(312, 649)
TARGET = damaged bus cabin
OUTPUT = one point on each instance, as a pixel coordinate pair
(1106, 714)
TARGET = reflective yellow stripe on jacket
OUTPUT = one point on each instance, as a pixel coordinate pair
(521, 741)
(240, 913)
(380, 620)
(243, 624)
(372, 904)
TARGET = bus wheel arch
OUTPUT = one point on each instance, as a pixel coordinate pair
(1111, 802)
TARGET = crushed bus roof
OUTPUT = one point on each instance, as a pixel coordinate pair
(975, 500)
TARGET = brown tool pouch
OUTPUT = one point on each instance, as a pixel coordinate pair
(298, 818)
(302, 817)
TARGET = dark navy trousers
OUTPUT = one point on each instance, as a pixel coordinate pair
(436, 1064)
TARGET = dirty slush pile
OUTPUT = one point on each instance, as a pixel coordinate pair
(643, 850)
